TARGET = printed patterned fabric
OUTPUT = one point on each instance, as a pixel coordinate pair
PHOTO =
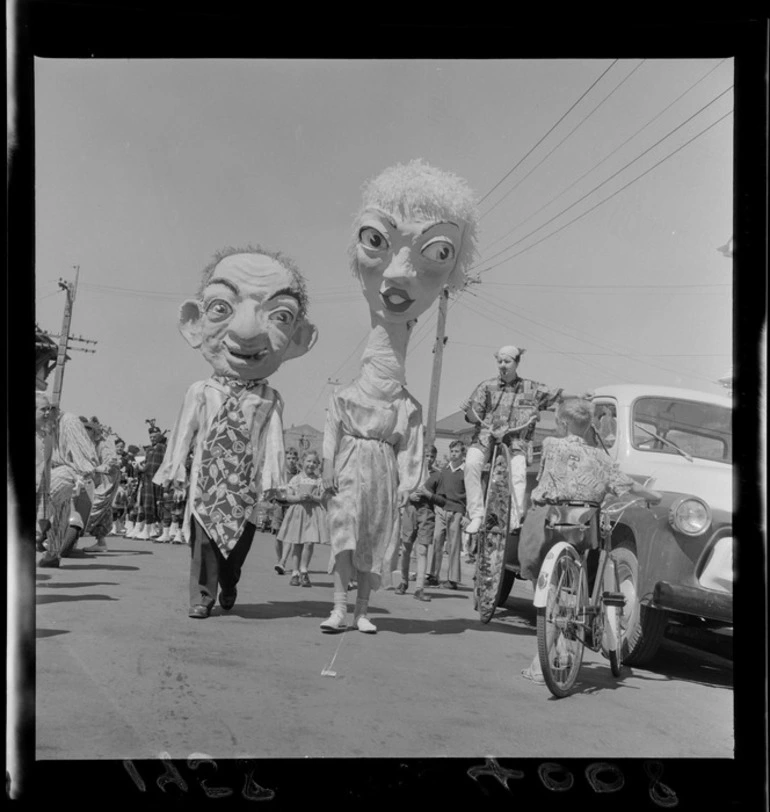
(500, 404)
(224, 485)
(571, 470)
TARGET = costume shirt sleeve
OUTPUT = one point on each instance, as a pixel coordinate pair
(273, 460)
(75, 448)
(478, 402)
(618, 482)
(187, 424)
(409, 452)
(332, 430)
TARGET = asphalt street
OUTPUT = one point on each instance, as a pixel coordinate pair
(122, 672)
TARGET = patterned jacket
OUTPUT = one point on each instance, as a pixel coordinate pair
(500, 404)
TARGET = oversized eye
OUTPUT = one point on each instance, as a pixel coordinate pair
(439, 251)
(282, 316)
(218, 309)
(369, 237)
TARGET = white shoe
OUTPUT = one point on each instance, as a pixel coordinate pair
(473, 527)
(363, 624)
(129, 529)
(144, 533)
(335, 622)
(176, 534)
(155, 530)
(138, 528)
(165, 535)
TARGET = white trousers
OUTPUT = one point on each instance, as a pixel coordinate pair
(474, 462)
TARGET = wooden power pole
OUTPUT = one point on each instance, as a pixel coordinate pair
(70, 288)
(438, 355)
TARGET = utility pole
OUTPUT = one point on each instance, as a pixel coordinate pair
(438, 356)
(70, 288)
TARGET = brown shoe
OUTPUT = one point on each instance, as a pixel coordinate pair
(401, 589)
(419, 595)
(448, 585)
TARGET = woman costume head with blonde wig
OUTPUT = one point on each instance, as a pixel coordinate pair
(415, 233)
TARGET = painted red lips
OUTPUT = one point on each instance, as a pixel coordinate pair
(396, 300)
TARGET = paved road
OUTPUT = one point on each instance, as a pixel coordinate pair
(122, 672)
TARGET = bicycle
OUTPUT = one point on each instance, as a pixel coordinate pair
(492, 577)
(569, 617)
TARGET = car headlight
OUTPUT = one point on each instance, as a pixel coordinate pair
(690, 516)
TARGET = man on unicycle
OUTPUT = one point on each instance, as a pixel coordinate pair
(497, 405)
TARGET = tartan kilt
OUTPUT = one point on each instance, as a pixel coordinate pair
(151, 499)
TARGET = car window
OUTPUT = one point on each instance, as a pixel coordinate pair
(700, 429)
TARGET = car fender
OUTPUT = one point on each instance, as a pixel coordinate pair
(544, 578)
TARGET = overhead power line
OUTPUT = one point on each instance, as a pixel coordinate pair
(568, 135)
(613, 175)
(555, 328)
(585, 93)
(600, 203)
(608, 155)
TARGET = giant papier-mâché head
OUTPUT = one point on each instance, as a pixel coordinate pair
(415, 234)
(250, 313)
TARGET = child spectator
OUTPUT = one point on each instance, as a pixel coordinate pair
(570, 470)
(450, 519)
(279, 509)
(305, 521)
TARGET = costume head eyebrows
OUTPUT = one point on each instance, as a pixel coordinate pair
(298, 280)
(417, 191)
(250, 313)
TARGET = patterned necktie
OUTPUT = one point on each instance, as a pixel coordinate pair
(225, 478)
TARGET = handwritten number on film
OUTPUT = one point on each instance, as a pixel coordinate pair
(251, 791)
(601, 777)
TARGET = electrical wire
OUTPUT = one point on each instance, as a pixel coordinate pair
(568, 135)
(609, 155)
(575, 104)
(556, 329)
(607, 180)
(600, 203)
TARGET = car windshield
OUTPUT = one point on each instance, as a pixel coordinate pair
(702, 430)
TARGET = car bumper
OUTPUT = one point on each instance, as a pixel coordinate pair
(693, 601)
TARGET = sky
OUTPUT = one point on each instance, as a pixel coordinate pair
(145, 168)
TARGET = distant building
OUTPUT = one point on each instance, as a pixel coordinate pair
(303, 438)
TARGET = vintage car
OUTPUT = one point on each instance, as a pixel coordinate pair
(675, 558)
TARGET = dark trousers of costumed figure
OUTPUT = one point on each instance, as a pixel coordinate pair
(210, 569)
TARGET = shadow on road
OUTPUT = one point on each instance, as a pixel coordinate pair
(76, 585)
(41, 599)
(111, 552)
(40, 577)
(40, 633)
(448, 626)
(675, 661)
(94, 566)
(595, 677)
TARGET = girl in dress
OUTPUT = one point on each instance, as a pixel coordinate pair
(304, 523)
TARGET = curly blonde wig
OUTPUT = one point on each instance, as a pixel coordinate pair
(419, 191)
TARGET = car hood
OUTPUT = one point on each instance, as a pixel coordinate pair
(711, 481)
